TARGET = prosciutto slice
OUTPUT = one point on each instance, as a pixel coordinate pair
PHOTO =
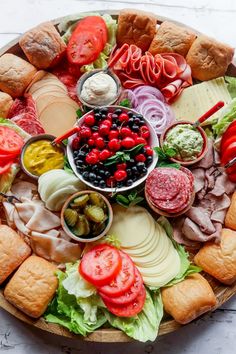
(168, 72)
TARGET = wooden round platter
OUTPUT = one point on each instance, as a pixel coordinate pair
(222, 292)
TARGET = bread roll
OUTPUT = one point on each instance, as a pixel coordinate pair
(230, 219)
(13, 251)
(171, 38)
(209, 58)
(136, 27)
(15, 74)
(188, 299)
(5, 104)
(33, 286)
(43, 45)
(219, 260)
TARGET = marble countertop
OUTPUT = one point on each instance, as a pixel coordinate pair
(214, 333)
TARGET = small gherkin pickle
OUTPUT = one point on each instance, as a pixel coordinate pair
(80, 201)
(94, 213)
(70, 216)
(96, 199)
(82, 227)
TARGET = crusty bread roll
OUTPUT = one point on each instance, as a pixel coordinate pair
(5, 104)
(188, 299)
(230, 219)
(33, 286)
(43, 45)
(209, 58)
(219, 260)
(171, 38)
(136, 27)
(15, 74)
(13, 251)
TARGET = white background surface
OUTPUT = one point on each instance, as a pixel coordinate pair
(215, 333)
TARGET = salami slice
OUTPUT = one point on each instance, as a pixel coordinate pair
(190, 176)
(32, 127)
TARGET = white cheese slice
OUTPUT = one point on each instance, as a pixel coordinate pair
(142, 251)
(197, 99)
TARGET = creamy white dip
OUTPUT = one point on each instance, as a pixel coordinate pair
(99, 89)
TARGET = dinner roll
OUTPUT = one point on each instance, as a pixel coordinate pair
(13, 251)
(209, 58)
(136, 27)
(15, 74)
(230, 219)
(188, 299)
(219, 260)
(171, 38)
(43, 45)
(33, 286)
(5, 104)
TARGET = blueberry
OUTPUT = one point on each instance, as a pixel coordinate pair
(92, 176)
(79, 162)
(101, 172)
(139, 115)
(129, 172)
(97, 116)
(102, 184)
(135, 128)
(137, 120)
(86, 175)
(95, 183)
(132, 162)
(140, 166)
(118, 111)
(142, 121)
(114, 126)
(134, 170)
(104, 110)
(129, 182)
(130, 114)
(104, 116)
(99, 178)
(94, 128)
(131, 122)
(81, 154)
(94, 168)
(75, 153)
(107, 174)
(80, 169)
(96, 110)
(149, 160)
(114, 116)
(119, 184)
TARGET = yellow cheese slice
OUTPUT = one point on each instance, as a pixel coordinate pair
(197, 99)
(58, 117)
(142, 251)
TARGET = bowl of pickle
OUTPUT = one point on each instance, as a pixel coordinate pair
(86, 216)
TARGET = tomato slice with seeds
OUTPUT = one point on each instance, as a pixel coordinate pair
(131, 309)
(96, 24)
(100, 265)
(228, 154)
(10, 141)
(124, 279)
(130, 294)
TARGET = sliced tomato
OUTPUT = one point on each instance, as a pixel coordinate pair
(5, 167)
(10, 141)
(83, 48)
(131, 309)
(226, 142)
(96, 24)
(130, 294)
(7, 157)
(124, 279)
(232, 176)
(229, 153)
(100, 265)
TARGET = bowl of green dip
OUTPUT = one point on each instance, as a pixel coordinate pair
(189, 142)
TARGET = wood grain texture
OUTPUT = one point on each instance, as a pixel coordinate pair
(223, 293)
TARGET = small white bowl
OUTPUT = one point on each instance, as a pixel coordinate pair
(153, 142)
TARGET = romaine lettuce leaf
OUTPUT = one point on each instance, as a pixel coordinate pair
(227, 116)
(231, 85)
(145, 325)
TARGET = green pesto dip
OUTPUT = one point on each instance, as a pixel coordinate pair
(186, 140)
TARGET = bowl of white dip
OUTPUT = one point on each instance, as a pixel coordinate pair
(98, 88)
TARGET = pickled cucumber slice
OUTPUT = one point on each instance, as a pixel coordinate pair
(94, 213)
(82, 227)
(96, 199)
(80, 201)
(98, 228)
(70, 216)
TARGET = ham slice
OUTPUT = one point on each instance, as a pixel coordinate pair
(23, 189)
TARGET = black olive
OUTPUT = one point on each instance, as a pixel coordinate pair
(92, 176)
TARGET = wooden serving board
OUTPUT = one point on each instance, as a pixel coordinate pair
(222, 292)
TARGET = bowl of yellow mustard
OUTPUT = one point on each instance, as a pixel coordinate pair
(39, 155)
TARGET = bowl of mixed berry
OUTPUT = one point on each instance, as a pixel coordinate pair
(113, 149)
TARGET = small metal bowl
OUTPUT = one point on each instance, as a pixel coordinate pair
(30, 141)
(86, 239)
(204, 148)
(87, 75)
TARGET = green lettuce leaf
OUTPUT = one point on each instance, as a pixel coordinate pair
(7, 178)
(227, 116)
(231, 85)
(145, 325)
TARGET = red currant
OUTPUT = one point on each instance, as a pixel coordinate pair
(89, 120)
(75, 143)
(120, 175)
(125, 131)
(104, 129)
(140, 140)
(107, 122)
(95, 151)
(121, 166)
(113, 134)
(85, 132)
(144, 132)
(100, 142)
(109, 116)
(123, 117)
(128, 143)
(148, 150)
(104, 154)
(140, 158)
(91, 142)
(111, 182)
(91, 159)
(114, 144)
(134, 135)
(95, 135)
